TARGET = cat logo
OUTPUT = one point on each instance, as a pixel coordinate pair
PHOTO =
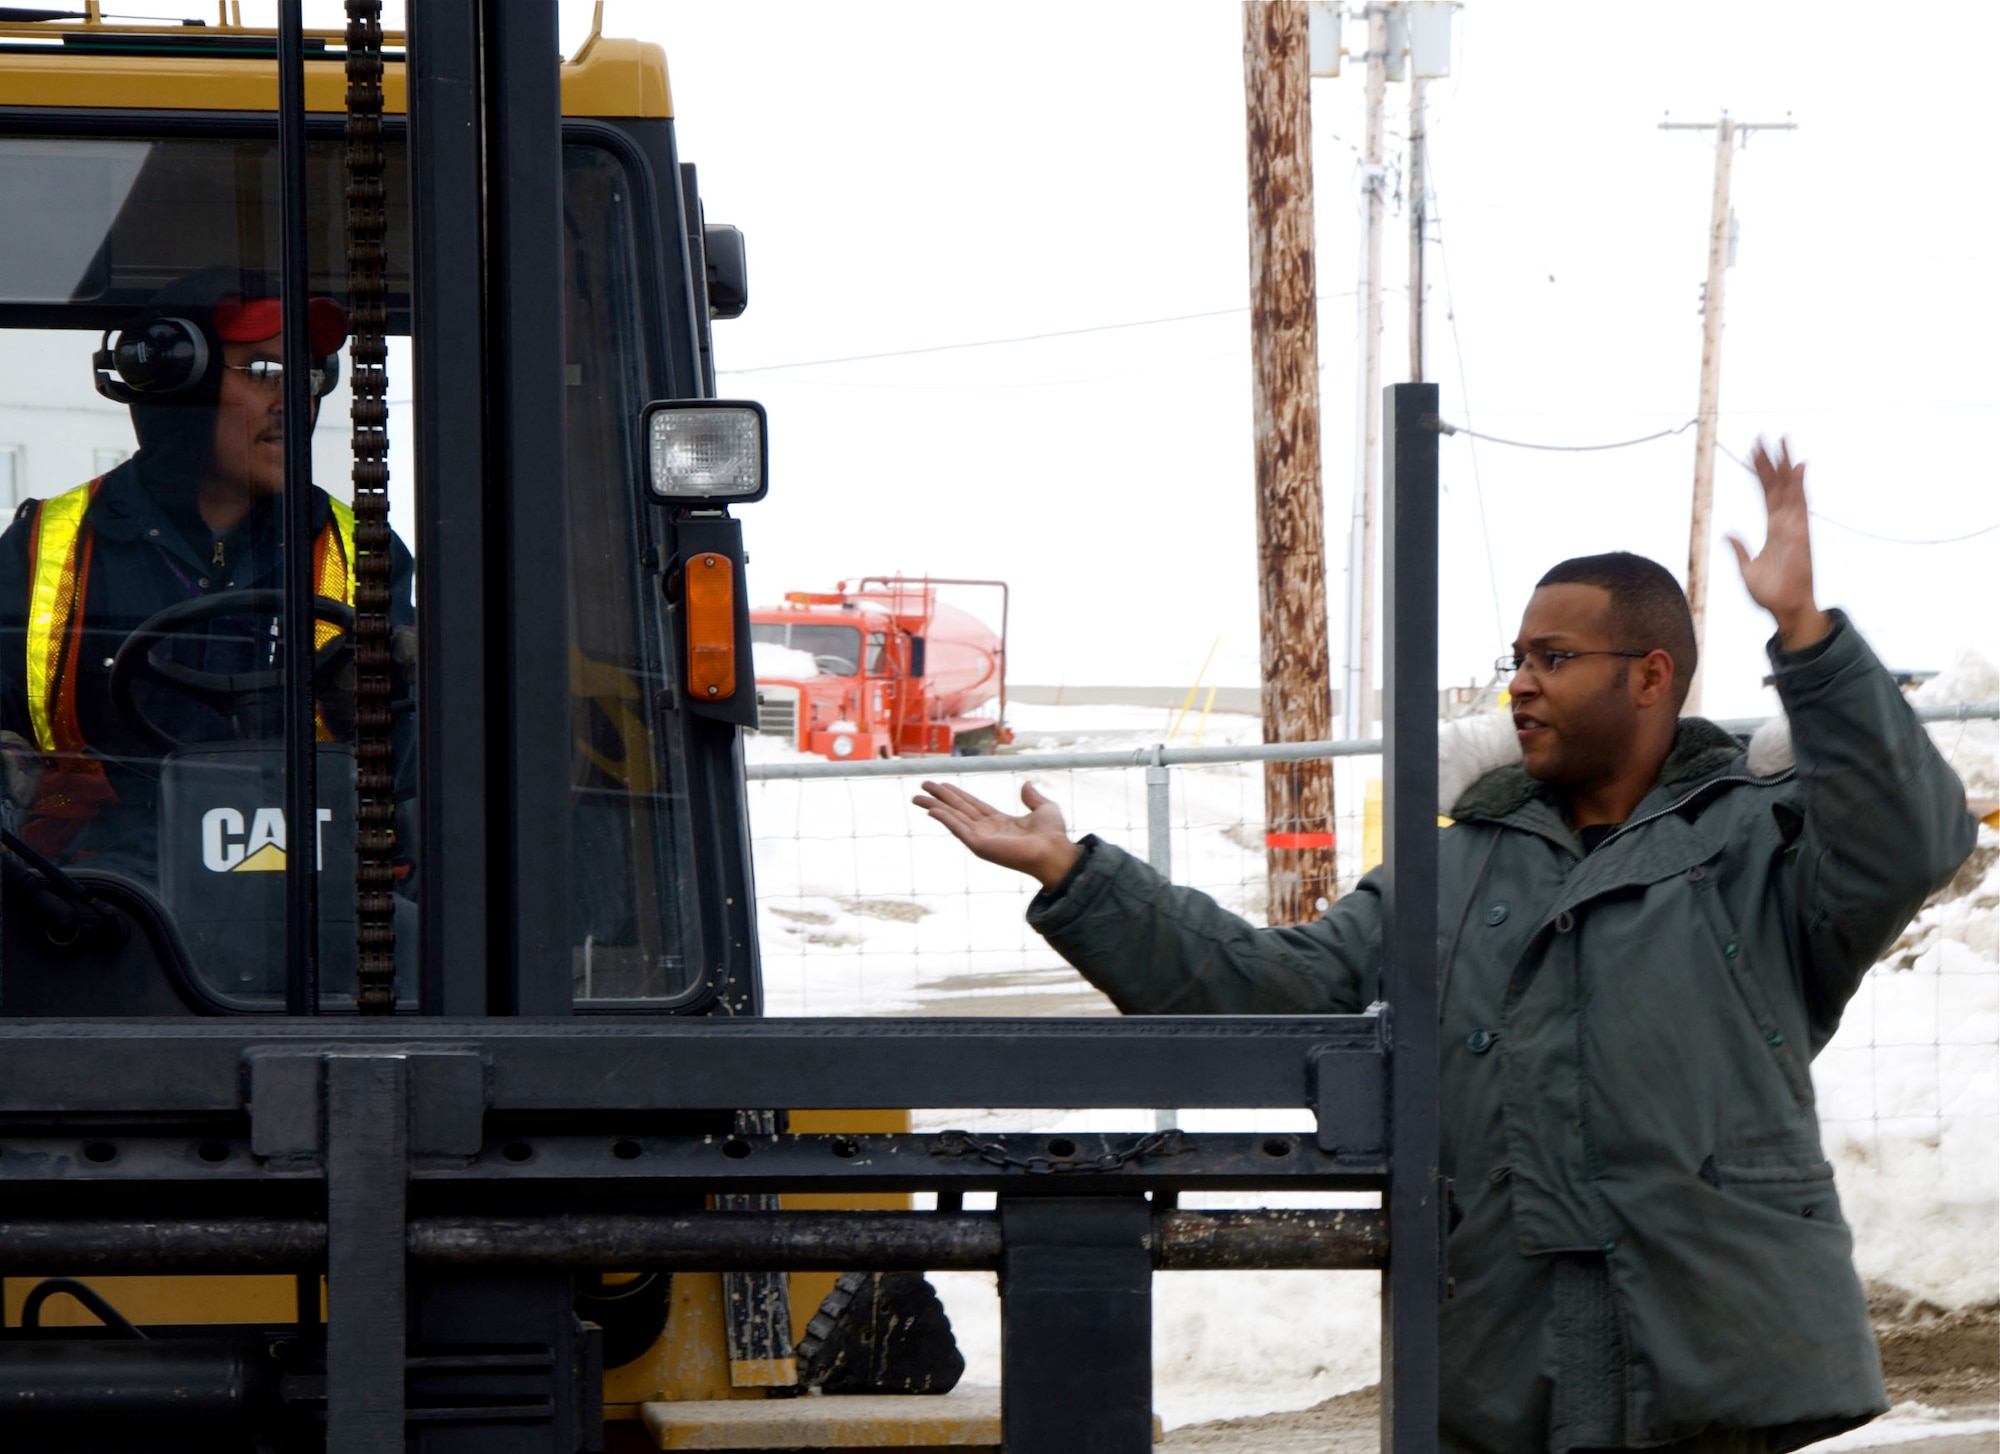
(226, 848)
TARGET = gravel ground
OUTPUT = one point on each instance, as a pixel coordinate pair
(1943, 1368)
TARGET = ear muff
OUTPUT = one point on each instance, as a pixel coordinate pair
(156, 359)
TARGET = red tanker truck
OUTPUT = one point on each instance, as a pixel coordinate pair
(883, 669)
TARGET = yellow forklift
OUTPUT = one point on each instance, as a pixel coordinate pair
(450, 1125)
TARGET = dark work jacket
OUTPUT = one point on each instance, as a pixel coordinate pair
(1625, 1047)
(143, 562)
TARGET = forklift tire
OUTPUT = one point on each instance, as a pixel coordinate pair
(880, 1332)
(632, 1313)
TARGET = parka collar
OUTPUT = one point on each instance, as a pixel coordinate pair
(124, 509)
(1701, 750)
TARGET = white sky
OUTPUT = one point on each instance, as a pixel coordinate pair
(910, 175)
(918, 174)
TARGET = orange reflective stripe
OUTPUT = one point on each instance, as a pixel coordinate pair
(59, 552)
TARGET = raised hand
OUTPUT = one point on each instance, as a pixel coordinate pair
(1780, 576)
(1035, 843)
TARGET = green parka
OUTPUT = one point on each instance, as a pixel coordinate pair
(1624, 1051)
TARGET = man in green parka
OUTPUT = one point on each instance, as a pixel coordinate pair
(1644, 941)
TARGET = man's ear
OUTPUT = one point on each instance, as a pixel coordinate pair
(1654, 679)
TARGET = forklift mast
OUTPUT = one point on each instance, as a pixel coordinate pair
(465, 1127)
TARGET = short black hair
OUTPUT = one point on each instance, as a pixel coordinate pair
(1649, 611)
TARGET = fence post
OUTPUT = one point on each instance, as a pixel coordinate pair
(1159, 816)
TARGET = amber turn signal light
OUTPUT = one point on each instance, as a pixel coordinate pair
(709, 598)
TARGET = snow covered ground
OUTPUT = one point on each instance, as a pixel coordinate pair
(866, 908)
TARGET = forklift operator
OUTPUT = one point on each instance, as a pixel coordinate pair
(196, 513)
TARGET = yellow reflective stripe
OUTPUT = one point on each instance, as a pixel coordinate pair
(343, 521)
(333, 569)
(51, 601)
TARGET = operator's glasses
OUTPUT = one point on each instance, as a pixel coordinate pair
(270, 374)
(1548, 663)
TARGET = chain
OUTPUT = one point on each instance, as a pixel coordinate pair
(367, 296)
(997, 1153)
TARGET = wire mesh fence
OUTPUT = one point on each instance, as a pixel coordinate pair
(868, 908)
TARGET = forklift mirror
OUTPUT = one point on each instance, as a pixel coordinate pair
(705, 451)
(728, 271)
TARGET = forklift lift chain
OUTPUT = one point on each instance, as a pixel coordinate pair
(367, 293)
(995, 1153)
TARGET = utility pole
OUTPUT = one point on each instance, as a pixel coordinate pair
(1291, 553)
(1721, 257)
(1357, 689)
(1416, 193)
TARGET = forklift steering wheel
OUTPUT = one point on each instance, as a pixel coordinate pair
(223, 692)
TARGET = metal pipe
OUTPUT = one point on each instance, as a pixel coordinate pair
(72, 1393)
(688, 1242)
(1185, 756)
(301, 754)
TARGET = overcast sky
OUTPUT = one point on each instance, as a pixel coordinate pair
(914, 175)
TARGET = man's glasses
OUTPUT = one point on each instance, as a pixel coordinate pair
(1548, 663)
(270, 374)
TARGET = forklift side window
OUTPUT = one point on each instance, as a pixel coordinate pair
(632, 864)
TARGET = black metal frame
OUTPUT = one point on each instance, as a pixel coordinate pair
(420, 1160)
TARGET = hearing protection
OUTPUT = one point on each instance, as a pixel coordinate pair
(165, 358)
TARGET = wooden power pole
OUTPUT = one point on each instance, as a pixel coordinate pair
(1721, 249)
(1291, 552)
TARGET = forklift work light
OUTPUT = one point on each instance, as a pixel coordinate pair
(705, 451)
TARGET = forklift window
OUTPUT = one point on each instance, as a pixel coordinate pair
(171, 794)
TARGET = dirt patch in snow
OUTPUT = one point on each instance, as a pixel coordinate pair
(1937, 1355)
(1947, 1359)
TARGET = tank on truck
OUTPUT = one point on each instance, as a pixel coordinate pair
(891, 582)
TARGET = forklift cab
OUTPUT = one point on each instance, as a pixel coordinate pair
(171, 894)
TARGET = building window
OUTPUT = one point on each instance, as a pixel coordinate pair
(103, 461)
(13, 476)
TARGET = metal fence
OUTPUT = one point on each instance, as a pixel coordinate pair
(867, 907)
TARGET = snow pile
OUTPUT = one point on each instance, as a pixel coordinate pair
(1909, 1090)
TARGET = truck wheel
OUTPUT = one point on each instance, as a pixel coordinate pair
(974, 744)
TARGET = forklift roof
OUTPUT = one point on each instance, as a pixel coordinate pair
(196, 67)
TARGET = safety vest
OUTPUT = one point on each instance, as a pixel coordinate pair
(60, 548)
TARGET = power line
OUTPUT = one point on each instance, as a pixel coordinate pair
(812, 363)
(1869, 534)
(1444, 428)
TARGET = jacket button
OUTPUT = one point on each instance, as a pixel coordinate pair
(1480, 1041)
(1607, 1247)
(1565, 921)
(1729, 950)
(1697, 874)
(1774, 1038)
(1497, 915)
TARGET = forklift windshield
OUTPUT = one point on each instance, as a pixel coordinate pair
(141, 668)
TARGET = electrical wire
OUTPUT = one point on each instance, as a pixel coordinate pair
(812, 363)
(1869, 534)
(1444, 428)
